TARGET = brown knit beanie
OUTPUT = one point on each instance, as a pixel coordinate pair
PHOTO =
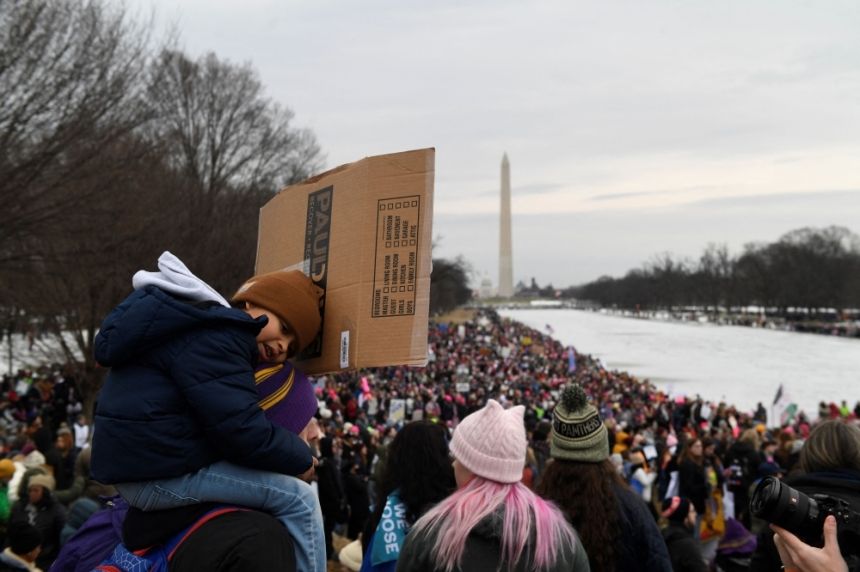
(291, 296)
(578, 433)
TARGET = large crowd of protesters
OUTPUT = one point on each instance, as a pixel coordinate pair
(705, 456)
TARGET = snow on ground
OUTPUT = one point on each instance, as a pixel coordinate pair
(25, 355)
(737, 364)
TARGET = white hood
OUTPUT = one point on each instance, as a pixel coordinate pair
(174, 278)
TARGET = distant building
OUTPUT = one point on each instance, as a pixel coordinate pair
(486, 290)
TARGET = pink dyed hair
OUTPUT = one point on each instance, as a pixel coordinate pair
(525, 514)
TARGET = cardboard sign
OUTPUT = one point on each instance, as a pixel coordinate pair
(362, 232)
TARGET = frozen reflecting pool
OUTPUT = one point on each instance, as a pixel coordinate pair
(732, 363)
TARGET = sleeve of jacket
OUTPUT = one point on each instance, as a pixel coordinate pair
(214, 373)
(415, 555)
(690, 557)
(69, 495)
(658, 554)
(653, 545)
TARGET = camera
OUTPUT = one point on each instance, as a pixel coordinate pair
(803, 515)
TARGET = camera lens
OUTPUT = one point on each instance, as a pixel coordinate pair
(784, 506)
(765, 498)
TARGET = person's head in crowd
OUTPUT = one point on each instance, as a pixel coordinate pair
(286, 396)
(784, 436)
(679, 511)
(636, 457)
(751, 437)
(709, 447)
(672, 443)
(24, 540)
(581, 480)
(290, 301)
(831, 445)
(312, 434)
(769, 469)
(418, 467)
(35, 424)
(768, 445)
(489, 448)
(694, 451)
(542, 430)
(7, 470)
(39, 488)
(65, 440)
(418, 463)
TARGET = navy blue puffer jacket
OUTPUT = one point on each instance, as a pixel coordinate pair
(180, 394)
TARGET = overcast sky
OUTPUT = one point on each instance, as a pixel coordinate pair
(633, 128)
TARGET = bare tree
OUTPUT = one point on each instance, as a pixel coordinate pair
(78, 279)
(69, 85)
(809, 269)
(715, 275)
(449, 285)
(231, 148)
(108, 158)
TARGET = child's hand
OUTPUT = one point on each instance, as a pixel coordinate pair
(309, 475)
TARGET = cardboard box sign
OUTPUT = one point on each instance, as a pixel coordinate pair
(362, 232)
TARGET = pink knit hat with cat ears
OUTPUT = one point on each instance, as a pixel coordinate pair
(491, 443)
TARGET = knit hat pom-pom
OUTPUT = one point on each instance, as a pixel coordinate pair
(573, 397)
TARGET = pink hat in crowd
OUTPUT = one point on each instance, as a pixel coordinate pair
(491, 442)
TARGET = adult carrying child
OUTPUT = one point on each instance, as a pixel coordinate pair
(178, 421)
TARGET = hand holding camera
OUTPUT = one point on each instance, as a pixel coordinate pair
(796, 555)
(800, 522)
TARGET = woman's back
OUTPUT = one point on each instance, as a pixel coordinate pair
(492, 521)
(616, 528)
(415, 476)
(482, 551)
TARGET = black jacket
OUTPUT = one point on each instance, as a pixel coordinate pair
(246, 540)
(640, 544)
(693, 484)
(683, 549)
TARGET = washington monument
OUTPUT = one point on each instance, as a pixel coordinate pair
(506, 267)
